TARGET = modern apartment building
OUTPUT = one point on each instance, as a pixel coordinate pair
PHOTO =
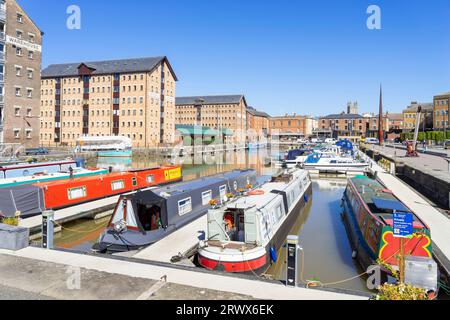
(426, 118)
(133, 98)
(292, 124)
(258, 122)
(20, 65)
(441, 109)
(217, 112)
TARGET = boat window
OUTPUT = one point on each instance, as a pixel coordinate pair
(76, 193)
(150, 178)
(134, 181)
(206, 197)
(150, 217)
(223, 191)
(117, 185)
(279, 213)
(184, 206)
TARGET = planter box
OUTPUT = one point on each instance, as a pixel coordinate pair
(13, 238)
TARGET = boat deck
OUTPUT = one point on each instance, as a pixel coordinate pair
(178, 242)
(369, 190)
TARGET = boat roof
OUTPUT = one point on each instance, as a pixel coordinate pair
(258, 201)
(36, 164)
(188, 186)
(381, 201)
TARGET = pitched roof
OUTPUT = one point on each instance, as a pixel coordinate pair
(443, 95)
(257, 113)
(343, 116)
(226, 99)
(415, 106)
(106, 67)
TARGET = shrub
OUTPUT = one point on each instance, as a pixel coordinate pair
(400, 292)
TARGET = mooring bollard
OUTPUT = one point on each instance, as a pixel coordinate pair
(292, 257)
(48, 229)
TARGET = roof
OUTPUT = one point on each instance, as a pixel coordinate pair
(226, 99)
(257, 113)
(343, 116)
(443, 95)
(415, 106)
(107, 67)
(395, 116)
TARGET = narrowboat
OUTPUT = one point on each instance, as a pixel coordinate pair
(368, 217)
(42, 177)
(32, 199)
(28, 169)
(146, 217)
(245, 234)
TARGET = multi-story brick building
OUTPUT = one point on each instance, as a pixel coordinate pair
(441, 109)
(258, 122)
(410, 116)
(353, 125)
(133, 98)
(292, 124)
(20, 65)
(218, 112)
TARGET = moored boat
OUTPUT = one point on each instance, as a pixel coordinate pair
(43, 177)
(244, 234)
(32, 199)
(28, 169)
(323, 162)
(368, 215)
(146, 217)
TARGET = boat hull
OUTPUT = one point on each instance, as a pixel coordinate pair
(253, 263)
(364, 256)
(115, 154)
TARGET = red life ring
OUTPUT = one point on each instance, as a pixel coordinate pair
(256, 193)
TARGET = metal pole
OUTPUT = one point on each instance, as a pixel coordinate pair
(48, 226)
(402, 260)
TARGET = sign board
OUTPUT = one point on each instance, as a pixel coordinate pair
(23, 44)
(403, 224)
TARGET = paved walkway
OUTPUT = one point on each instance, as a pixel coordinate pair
(434, 165)
(438, 223)
(198, 280)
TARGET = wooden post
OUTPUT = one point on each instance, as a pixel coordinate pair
(402, 260)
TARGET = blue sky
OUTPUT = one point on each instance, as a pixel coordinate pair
(286, 56)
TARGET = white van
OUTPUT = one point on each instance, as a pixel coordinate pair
(372, 141)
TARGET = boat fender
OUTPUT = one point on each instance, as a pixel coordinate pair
(273, 254)
(306, 197)
(354, 254)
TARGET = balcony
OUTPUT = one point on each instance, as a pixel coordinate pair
(2, 56)
(2, 14)
(2, 36)
(2, 98)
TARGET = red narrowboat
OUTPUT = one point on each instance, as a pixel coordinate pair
(53, 195)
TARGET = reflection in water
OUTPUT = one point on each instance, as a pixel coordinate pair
(327, 251)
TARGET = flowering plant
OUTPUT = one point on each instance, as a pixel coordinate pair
(400, 292)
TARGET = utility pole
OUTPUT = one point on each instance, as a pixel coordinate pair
(380, 119)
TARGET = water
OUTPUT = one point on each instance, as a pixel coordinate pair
(322, 233)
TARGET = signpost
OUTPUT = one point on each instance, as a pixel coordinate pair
(403, 228)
